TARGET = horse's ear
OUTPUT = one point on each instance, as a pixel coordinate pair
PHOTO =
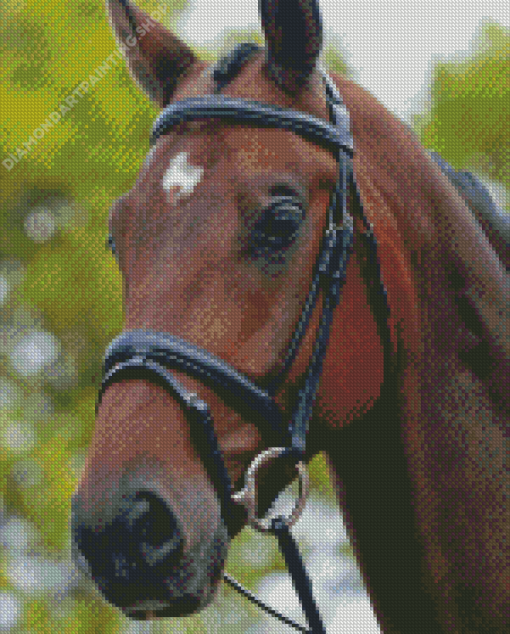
(157, 59)
(293, 30)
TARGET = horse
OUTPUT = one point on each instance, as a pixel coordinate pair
(217, 243)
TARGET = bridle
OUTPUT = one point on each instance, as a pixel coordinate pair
(153, 355)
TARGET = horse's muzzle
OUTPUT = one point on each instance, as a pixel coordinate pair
(136, 558)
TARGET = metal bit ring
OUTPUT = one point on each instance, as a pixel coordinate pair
(248, 496)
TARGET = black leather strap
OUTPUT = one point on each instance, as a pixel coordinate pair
(172, 353)
(333, 137)
(131, 358)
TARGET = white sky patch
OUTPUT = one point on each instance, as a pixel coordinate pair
(392, 44)
(181, 177)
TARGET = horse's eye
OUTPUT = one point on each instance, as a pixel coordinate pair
(110, 243)
(278, 225)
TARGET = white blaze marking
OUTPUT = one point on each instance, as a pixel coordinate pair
(181, 177)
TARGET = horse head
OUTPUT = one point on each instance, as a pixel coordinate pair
(217, 243)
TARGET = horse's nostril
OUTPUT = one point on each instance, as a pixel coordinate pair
(132, 554)
(155, 528)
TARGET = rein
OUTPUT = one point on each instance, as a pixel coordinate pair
(153, 355)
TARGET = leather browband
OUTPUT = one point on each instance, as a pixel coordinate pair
(334, 137)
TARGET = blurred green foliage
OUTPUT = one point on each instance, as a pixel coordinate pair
(468, 122)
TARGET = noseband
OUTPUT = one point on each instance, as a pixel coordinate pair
(153, 355)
